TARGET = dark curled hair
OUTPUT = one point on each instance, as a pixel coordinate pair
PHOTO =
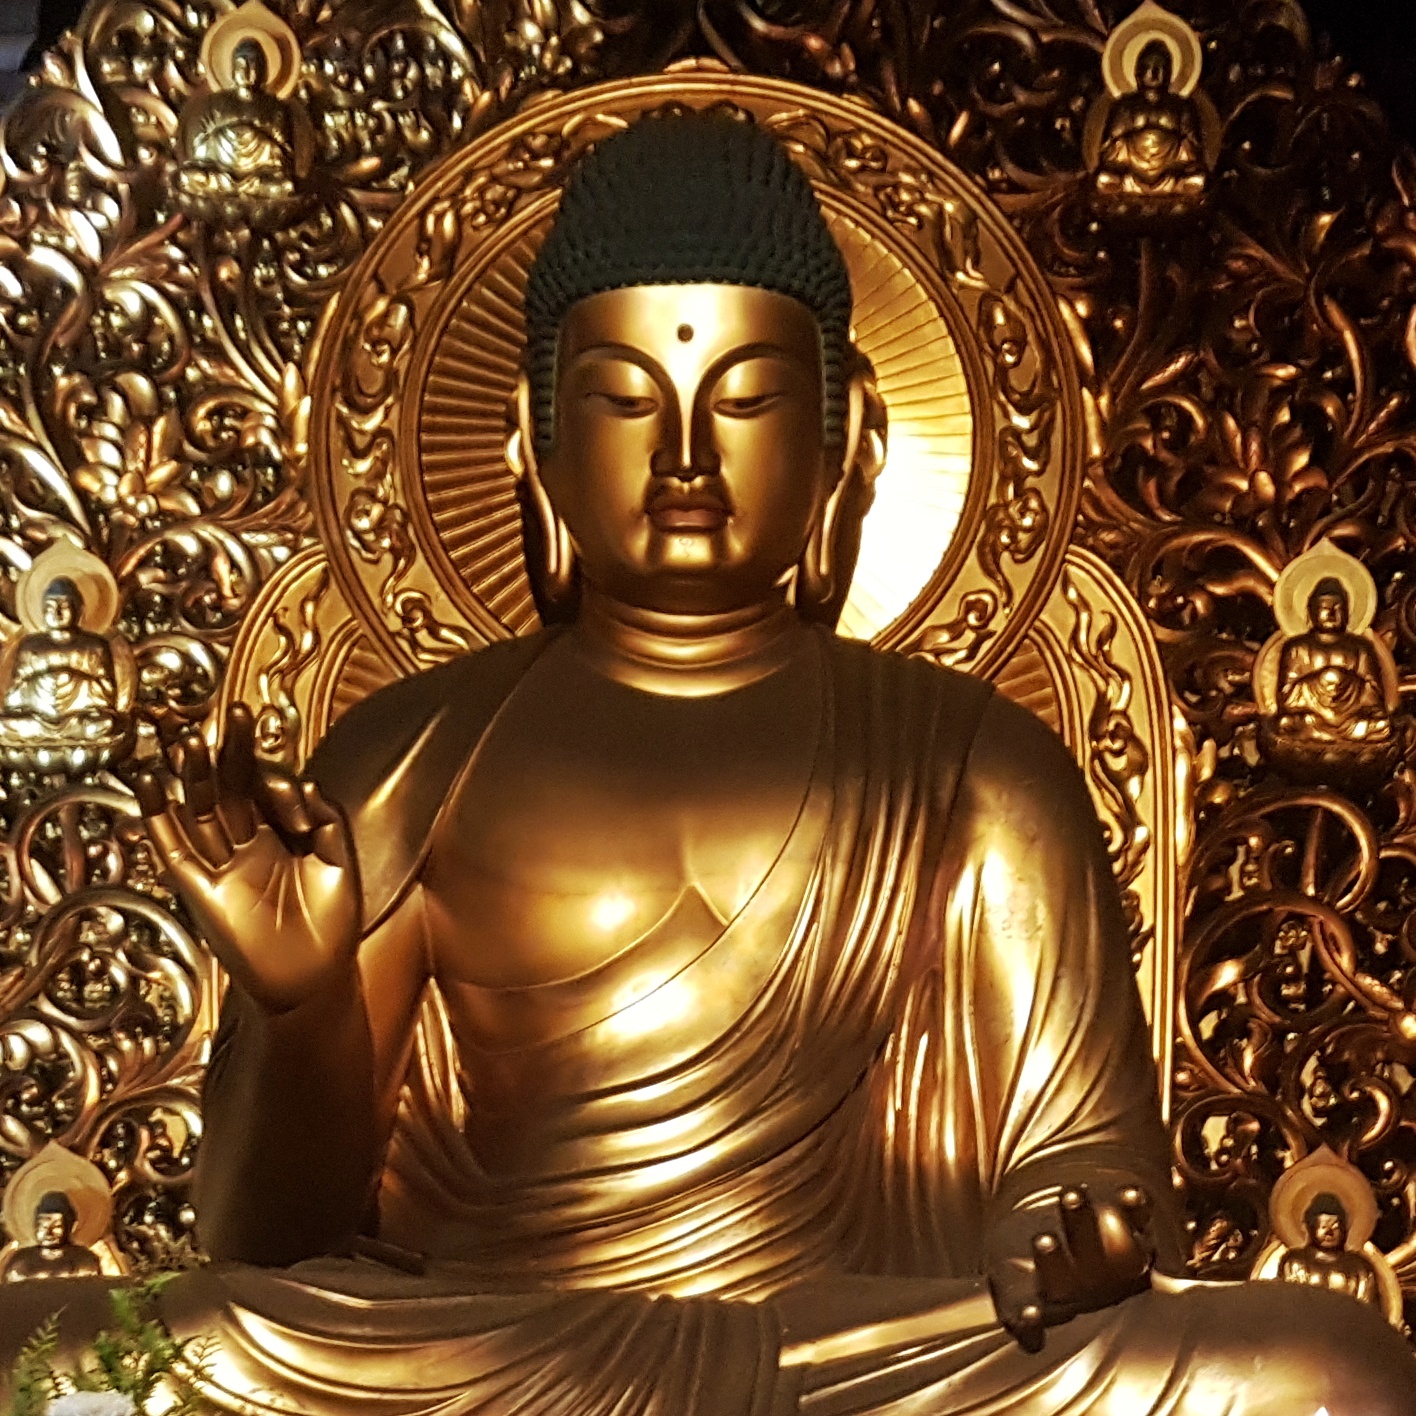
(56, 1202)
(1326, 1203)
(679, 199)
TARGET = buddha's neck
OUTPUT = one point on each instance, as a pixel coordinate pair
(686, 656)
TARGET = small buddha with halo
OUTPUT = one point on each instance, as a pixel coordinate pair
(60, 706)
(1325, 1261)
(1152, 153)
(242, 149)
(1326, 684)
(54, 1254)
(1330, 683)
(684, 1009)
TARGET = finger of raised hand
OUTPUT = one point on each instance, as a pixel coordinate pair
(151, 793)
(1056, 1279)
(281, 802)
(179, 861)
(1013, 1286)
(1082, 1232)
(199, 817)
(1135, 1207)
(236, 774)
(330, 837)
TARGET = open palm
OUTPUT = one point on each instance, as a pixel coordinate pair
(261, 860)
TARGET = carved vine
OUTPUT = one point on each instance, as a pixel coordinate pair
(1249, 376)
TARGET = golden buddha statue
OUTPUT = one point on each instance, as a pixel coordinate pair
(1151, 157)
(1330, 682)
(1325, 1261)
(780, 1044)
(1326, 686)
(1323, 1212)
(54, 1253)
(244, 147)
(57, 1210)
(60, 709)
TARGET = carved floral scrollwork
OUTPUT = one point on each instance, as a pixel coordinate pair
(1249, 385)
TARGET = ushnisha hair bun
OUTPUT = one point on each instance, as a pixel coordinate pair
(678, 199)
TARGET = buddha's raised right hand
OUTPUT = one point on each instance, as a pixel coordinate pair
(263, 863)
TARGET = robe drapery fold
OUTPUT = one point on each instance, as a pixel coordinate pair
(923, 1020)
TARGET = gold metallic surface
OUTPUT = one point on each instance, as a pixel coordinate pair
(1324, 1214)
(1150, 160)
(1245, 393)
(417, 367)
(1147, 24)
(830, 1020)
(55, 1169)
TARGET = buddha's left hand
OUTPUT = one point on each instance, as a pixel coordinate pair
(1048, 1264)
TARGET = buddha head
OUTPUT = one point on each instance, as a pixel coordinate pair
(62, 605)
(1154, 68)
(696, 433)
(1325, 1220)
(1327, 606)
(248, 68)
(54, 1219)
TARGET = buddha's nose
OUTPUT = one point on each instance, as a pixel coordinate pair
(692, 459)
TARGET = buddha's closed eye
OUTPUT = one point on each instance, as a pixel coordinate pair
(622, 405)
(747, 405)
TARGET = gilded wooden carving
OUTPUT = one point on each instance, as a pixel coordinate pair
(224, 323)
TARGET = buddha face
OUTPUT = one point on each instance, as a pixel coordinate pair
(1328, 1230)
(248, 66)
(690, 462)
(1327, 610)
(1153, 68)
(51, 1228)
(61, 607)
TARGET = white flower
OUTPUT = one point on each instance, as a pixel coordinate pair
(91, 1403)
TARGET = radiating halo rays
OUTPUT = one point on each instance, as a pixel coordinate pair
(461, 427)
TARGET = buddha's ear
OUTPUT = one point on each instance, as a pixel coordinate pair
(550, 557)
(824, 576)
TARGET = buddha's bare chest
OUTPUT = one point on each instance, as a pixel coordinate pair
(593, 813)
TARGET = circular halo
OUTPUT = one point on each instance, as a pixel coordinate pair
(1126, 42)
(383, 507)
(459, 425)
(62, 560)
(79, 1180)
(276, 39)
(1300, 578)
(1322, 1172)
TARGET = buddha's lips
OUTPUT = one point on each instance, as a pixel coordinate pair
(673, 510)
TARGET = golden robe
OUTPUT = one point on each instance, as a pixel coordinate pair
(779, 1199)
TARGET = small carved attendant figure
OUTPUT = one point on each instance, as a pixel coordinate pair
(1329, 680)
(63, 707)
(1325, 684)
(1325, 1261)
(1323, 1213)
(243, 148)
(54, 1253)
(57, 1210)
(1149, 151)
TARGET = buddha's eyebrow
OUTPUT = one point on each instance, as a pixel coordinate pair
(626, 352)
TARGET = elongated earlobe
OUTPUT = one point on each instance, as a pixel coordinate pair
(824, 574)
(550, 557)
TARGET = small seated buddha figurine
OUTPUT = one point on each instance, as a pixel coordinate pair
(1325, 1261)
(1330, 683)
(1152, 155)
(53, 1253)
(242, 150)
(683, 1009)
(60, 709)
